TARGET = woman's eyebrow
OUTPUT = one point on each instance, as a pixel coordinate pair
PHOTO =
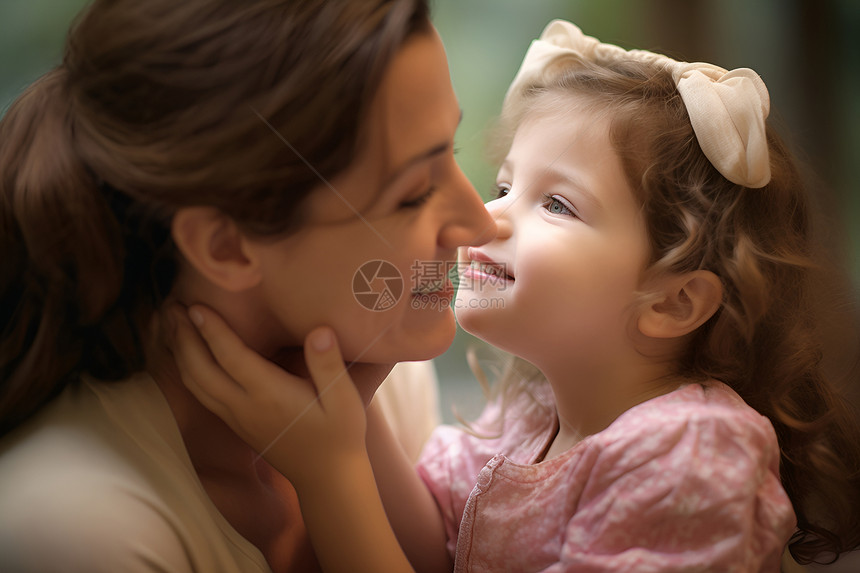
(434, 151)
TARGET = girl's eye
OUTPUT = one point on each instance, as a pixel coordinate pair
(418, 201)
(558, 205)
(502, 189)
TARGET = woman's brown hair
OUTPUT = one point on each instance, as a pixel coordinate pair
(766, 339)
(158, 105)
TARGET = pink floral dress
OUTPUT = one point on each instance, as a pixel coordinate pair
(688, 481)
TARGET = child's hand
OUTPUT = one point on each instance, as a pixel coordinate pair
(312, 431)
(302, 427)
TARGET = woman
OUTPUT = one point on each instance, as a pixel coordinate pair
(251, 156)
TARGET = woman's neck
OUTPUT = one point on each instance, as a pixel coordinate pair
(212, 445)
(257, 501)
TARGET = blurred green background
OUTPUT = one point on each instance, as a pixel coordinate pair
(808, 52)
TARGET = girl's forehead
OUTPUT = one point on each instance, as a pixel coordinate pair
(560, 104)
(571, 148)
(555, 105)
(565, 128)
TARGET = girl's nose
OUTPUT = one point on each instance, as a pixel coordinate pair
(470, 223)
(498, 210)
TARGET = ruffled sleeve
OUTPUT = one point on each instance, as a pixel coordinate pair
(683, 490)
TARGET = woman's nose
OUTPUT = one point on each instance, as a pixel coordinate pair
(470, 223)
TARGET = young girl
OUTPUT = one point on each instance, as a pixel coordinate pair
(653, 256)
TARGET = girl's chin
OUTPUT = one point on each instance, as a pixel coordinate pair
(474, 322)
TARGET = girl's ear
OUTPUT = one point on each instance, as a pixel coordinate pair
(214, 245)
(686, 302)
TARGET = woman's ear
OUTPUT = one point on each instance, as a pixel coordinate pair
(214, 245)
(686, 302)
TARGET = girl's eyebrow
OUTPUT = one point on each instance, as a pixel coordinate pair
(573, 182)
(434, 151)
(554, 174)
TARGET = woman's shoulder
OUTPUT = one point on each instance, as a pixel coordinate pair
(76, 492)
(59, 513)
(93, 426)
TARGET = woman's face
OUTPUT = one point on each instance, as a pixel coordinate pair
(372, 259)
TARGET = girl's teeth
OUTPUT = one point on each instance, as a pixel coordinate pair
(492, 270)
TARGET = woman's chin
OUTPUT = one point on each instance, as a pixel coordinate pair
(404, 345)
(431, 345)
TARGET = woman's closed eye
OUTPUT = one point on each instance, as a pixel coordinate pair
(558, 205)
(432, 176)
(418, 201)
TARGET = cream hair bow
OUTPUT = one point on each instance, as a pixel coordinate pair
(727, 108)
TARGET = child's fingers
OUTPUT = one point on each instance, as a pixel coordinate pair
(325, 364)
(232, 354)
(251, 371)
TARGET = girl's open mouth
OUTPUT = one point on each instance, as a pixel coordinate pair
(491, 271)
(482, 271)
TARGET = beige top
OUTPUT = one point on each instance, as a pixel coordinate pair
(100, 481)
(409, 401)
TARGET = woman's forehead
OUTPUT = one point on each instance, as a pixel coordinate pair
(411, 121)
(415, 109)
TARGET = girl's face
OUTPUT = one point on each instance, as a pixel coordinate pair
(571, 247)
(372, 257)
